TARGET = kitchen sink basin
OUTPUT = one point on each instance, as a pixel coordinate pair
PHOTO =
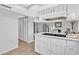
(50, 34)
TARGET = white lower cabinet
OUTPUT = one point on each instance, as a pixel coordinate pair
(71, 48)
(58, 46)
(77, 48)
(55, 46)
(47, 45)
(42, 45)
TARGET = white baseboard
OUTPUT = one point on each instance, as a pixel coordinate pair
(8, 50)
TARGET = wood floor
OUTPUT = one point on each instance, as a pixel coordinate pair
(23, 49)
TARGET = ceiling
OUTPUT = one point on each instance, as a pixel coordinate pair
(29, 9)
(36, 7)
(33, 7)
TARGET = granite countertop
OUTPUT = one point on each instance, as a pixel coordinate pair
(70, 37)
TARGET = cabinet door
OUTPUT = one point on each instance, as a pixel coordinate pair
(60, 8)
(42, 45)
(71, 48)
(73, 12)
(21, 29)
(37, 44)
(73, 8)
(58, 46)
(77, 48)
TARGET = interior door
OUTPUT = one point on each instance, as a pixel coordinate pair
(21, 29)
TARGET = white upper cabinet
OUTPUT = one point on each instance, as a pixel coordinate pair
(60, 8)
(70, 10)
(57, 11)
(46, 13)
(73, 8)
(73, 12)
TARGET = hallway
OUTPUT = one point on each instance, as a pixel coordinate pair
(23, 49)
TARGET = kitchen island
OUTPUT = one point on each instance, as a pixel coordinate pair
(55, 45)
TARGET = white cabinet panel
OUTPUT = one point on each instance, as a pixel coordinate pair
(37, 44)
(73, 12)
(71, 48)
(73, 8)
(58, 46)
(58, 50)
(60, 42)
(42, 45)
(77, 48)
(61, 7)
(44, 49)
(54, 46)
